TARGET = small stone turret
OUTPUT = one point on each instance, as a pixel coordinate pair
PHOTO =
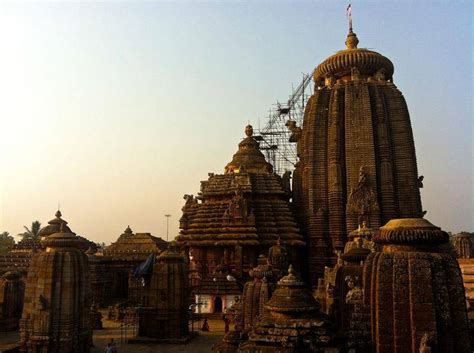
(293, 321)
(463, 245)
(257, 292)
(12, 289)
(415, 289)
(54, 226)
(279, 259)
(165, 318)
(57, 297)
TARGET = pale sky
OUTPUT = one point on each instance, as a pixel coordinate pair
(115, 110)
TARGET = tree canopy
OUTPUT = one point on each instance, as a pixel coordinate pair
(32, 232)
(6, 242)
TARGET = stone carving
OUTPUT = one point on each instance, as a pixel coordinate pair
(43, 302)
(380, 75)
(426, 343)
(189, 201)
(355, 295)
(420, 181)
(355, 74)
(238, 207)
(362, 199)
(330, 81)
(296, 131)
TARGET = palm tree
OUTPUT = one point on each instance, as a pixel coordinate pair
(6, 242)
(33, 232)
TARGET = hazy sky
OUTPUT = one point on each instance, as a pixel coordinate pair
(115, 110)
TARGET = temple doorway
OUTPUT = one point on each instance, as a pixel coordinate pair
(218, 305)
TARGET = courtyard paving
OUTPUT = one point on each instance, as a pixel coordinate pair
(202, 343)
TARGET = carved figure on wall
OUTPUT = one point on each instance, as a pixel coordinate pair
(426, 343)
(420, 181)
(44, 304)
(238, 207)
(362, 200)
(355, 294)
(355, 73)
(380, 75)
(296, 131)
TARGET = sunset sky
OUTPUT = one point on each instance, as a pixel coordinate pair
(115, 110)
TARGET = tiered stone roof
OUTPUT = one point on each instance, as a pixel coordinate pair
(292, 320)
(135, 245)
(246, 206)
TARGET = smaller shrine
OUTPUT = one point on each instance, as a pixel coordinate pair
(464, 252)
(239, 215)
(413, 268)
(57, 297)
(292, 322)
(333, 288)
(19, 257)
(165, 316)
(12, 289)
(112, 276)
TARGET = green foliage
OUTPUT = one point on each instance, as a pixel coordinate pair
(6, 242)
(31, 233)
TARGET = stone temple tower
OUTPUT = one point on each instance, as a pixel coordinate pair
(57, 298)
(357, 155)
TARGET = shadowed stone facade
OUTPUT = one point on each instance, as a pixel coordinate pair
(165, 316)
(57, 298)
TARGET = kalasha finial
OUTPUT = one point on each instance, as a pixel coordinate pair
(249, 130)
(58, 214)
(291, 270)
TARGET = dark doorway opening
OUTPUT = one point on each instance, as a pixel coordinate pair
(218, 305)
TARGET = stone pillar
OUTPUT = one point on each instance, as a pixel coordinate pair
(57, 298)
(415, 291)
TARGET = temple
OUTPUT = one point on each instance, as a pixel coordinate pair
(239, 215)
(357, 155)
(336, 258)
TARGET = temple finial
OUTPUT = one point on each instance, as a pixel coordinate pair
(349, 17)
(249, 130)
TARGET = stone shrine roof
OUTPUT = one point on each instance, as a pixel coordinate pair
(246, 206)
(341, 64)
(135, 244)
(249, 157)
(54, 226)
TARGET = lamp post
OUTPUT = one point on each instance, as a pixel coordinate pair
(167, 224)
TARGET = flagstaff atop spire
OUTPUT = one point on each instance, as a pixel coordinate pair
(349, 16)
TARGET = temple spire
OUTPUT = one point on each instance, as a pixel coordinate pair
(349, 17)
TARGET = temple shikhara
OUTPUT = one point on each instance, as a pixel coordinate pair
(334, 256)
